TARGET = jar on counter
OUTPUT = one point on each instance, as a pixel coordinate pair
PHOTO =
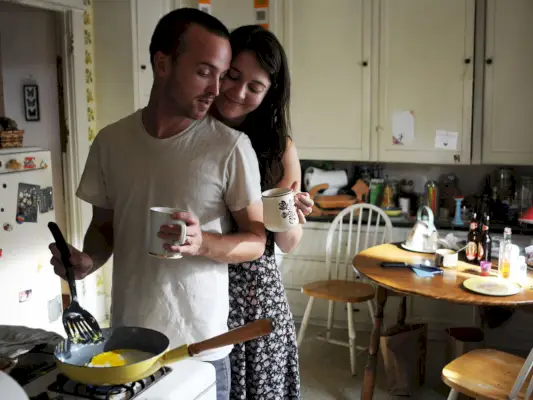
(395, 186)
(525, 199)
(388, 198)
(431, 197)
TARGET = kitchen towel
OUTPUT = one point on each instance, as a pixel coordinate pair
(336, 179)
(17, 340)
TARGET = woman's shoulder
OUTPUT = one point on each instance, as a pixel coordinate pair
(220, 131)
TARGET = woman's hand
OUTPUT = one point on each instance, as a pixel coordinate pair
(303, 204)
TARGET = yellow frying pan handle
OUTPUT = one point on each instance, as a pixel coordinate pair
(177, 354)
(239, 335)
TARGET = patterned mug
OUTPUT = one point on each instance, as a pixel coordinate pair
(279, 212)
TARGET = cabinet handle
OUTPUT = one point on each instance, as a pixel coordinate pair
(467, 60)
(457, 158)
(489, 61)
(143, 67)
(364, 63)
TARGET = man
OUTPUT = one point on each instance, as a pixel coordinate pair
(171, 154)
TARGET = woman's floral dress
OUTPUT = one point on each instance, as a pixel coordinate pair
(267, 367)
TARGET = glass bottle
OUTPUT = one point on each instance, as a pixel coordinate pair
(504, 259)
(472, 240)
(485, 241)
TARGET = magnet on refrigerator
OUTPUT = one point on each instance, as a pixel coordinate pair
(27, 201)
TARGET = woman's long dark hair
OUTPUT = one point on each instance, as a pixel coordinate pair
(267, 126)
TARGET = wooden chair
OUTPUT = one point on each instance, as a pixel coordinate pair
(342, 283)
(490, 375)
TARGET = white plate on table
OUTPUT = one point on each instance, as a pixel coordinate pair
(405, 247)
(492, 286)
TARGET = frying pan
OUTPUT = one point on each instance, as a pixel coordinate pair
(72, 358)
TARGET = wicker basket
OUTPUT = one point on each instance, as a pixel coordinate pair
(11, 139)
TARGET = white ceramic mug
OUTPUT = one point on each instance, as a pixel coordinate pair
(446, 258)
(163, 216)
(279, 213)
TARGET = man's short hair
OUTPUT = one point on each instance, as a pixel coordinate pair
(168, 36)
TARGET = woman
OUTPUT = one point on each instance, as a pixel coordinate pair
(254, 98)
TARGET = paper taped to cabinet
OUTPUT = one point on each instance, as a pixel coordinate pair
(403, 127)
(446, 140)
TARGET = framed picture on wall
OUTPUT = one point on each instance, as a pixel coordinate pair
(30, 94)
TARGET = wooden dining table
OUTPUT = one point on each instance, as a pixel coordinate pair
(403, 281)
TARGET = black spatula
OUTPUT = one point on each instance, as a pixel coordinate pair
(80, 325)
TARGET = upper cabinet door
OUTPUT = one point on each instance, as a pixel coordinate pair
(508, 106)
(234, 13)
(328, 45)
(425, 80)
(147, 14)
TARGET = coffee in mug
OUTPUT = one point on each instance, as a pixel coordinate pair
(163, 216)
(279, 213)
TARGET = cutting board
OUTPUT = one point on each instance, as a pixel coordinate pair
(331, 205)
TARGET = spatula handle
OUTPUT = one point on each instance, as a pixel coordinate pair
(246, 332)
(62, 246)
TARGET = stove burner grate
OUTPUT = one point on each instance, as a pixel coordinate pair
(128, 391)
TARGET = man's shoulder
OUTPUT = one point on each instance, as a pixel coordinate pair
(118, 128)
(222, 132)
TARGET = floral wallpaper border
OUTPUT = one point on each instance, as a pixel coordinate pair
(103, 291)
(89, 67)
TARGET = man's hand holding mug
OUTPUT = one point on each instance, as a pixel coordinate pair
(174, 233)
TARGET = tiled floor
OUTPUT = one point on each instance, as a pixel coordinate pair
(325, 372)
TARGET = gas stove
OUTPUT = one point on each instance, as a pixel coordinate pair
(184, 380)
(65, 386)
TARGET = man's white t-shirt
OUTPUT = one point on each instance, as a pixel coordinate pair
(210, 170)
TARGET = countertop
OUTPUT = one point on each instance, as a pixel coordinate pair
(404, 222)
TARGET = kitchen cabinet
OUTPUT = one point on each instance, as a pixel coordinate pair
(234, 13)
(355, 66)
(508, 104)
(329, 56)
(145, 16)
(123, 73)
(425, 50)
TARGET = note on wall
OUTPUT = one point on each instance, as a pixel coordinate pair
(261, 13)
(446, 140)
(205, 6)
(403, 127)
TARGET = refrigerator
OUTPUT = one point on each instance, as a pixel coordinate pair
(30, 292)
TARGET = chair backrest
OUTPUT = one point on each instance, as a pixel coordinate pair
(521, 379)
(341, 246)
